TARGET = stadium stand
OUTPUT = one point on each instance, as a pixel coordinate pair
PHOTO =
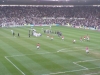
(22, 15)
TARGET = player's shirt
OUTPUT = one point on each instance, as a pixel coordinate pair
(52, 37)
(87, 50)
(84, 37)
(62, 37)
(47, 35)
(38, 44)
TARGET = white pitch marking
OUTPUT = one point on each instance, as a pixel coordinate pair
(94, 68)
(70, 51)
(61, 50)
(56, 72)
(76, 70)
(87, 60)
(80, 65)
(15, 66)
(70, 71)
(42, 53)
(92, 73)
(28, 54)
(64, 72)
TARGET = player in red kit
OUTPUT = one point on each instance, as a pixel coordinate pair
(38, 46)
(84, 38)
(51, 37)
(62, 37)
(47, 35)
(87, 50)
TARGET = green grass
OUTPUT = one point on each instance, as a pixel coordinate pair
(19, 56)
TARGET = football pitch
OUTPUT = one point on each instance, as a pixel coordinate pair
(19, 55)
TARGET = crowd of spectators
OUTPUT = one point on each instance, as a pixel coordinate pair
(19, 15)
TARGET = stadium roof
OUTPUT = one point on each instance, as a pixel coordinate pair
(49, 2)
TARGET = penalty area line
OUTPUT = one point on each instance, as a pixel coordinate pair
(87, 60)
(80, 65)
(72, 71)
(76, 63)
(14, 65)
(93, 73)
(64, 72)
(61, 50)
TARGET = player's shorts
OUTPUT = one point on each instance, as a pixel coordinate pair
(87, 51)
(74, 41)
(37, 46)
(47, 36)
(62, 38)
(51, 38)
